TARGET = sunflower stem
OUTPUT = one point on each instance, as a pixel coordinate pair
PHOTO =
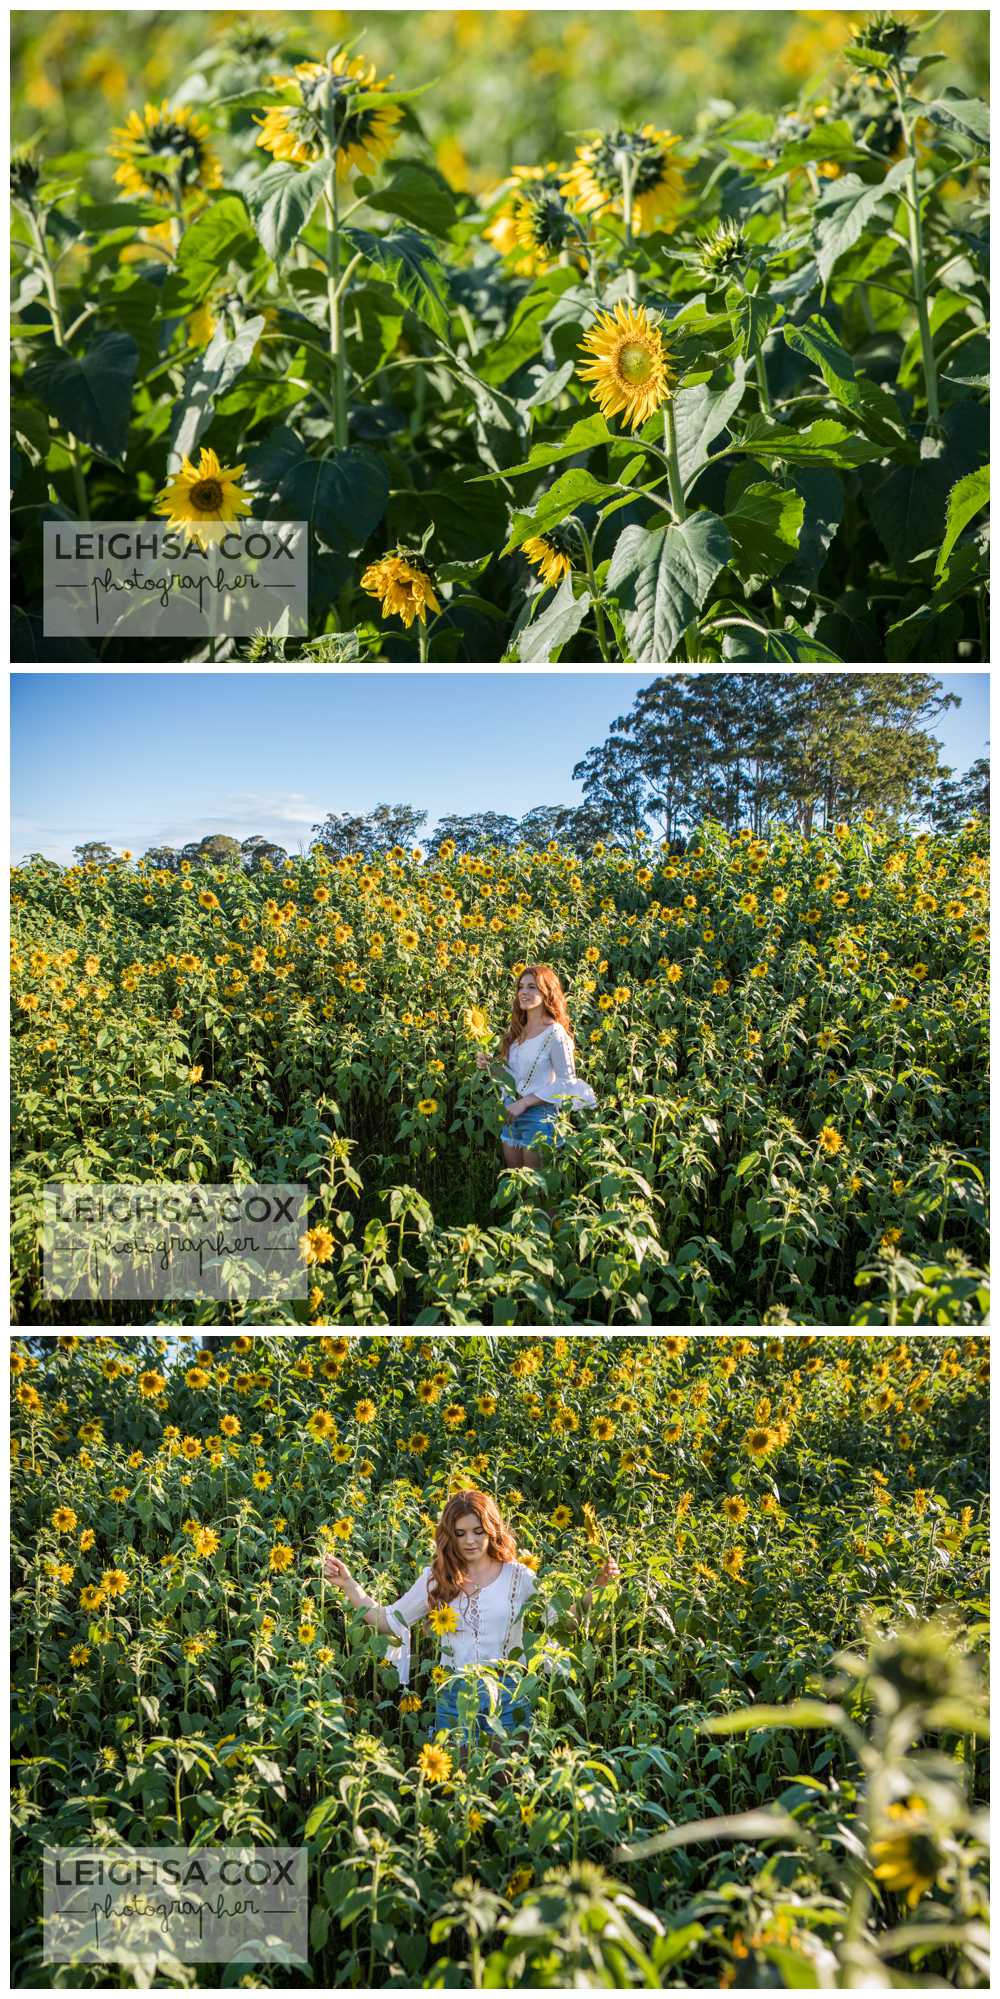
(631, 276)
(599, 618)
(59, 336)
(673, 462)
(765, 393)
(917, 262)
(422, 640)
(333, 294)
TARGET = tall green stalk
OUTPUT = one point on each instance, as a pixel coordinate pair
(333, 296)
(673, 462)
(765, 393)
(917, 260)
(631, 276)
(59, 336)
(600, 622)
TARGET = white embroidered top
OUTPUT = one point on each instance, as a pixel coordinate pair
(489, 1623)
(544, 1067)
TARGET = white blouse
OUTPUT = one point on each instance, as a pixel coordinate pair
(489, 1626)
(544, 1067)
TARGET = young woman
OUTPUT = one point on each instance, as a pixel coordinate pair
(538, 1049)
(474, 1592)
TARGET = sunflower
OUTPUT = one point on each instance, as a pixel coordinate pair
(165, 156)
(535, 222)
(204, 501)
(550, 554)
(443, 1618)
(630, 367)
(434, 1764)
(596, 180)
(403, 584)
(325, 119)
(908, 1857)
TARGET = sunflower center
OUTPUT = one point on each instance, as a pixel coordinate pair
(635, 362)
(207, 496)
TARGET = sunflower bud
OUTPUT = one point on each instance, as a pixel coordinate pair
(723, 258)
(885, 35)
(25, 175)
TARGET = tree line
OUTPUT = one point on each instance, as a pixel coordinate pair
(754, 750)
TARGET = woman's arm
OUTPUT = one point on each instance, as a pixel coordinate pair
(606, 1574)
(340, 1576)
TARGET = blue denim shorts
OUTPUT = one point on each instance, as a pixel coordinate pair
(538, 1121)
(511, 1712)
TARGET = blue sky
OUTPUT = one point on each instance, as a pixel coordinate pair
(149, 759)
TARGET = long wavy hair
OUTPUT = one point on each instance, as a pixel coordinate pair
(553, 1000)
(447, 1572)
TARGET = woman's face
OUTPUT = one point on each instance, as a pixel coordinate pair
(528, 994)
(471, 1536)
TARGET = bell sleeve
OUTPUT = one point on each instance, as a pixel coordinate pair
(565, 1082)
(399, 1616)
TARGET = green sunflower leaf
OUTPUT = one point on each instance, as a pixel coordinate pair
(410, 262)
(281, 202)
(825, 442)
(545, 637)
(662, 576)
(845, 211)
(965, 114)
(967, 498)
(872, 407)
(91, 397)
(416, 193)
(206, 380)
(220, 234)
(342, 497)
(764, 525)
(571, 490)
(583, 436)
(701, 413)
(782, 648)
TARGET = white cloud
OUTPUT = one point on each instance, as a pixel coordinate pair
(286, 817)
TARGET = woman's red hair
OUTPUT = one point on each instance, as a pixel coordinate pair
(553, 1000)
(447, 1570)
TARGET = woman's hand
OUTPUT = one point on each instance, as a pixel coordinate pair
(338, 1573)
(606, 1573)
(482, 1060)
(514, 1110)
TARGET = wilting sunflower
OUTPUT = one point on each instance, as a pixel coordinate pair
(550, 554)
(203, 500)
(595, 182)
(326, 118)
(402, 582)
(630, 368)
(535, 222)
(165, 155)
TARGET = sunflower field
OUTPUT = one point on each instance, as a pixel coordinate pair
(787, 1038)
(757, 1758)
(637, 394)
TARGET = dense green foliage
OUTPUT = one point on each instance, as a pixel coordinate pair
(794, 469)
(787, 1038)
(769, 1501)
